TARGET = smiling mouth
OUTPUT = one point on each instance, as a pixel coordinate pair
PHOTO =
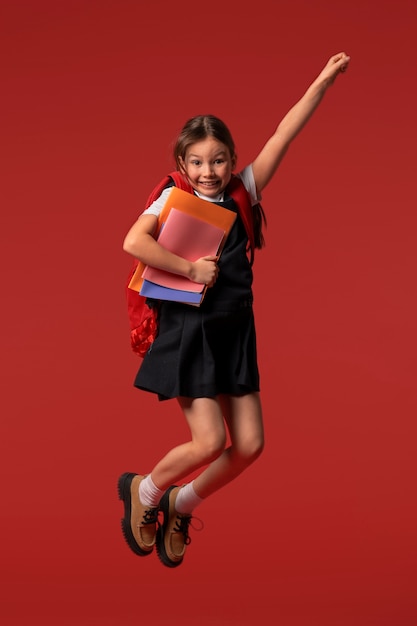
(213, 183)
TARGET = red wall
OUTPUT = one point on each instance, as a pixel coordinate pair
(321, 531)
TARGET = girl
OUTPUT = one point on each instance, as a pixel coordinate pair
(206, 357)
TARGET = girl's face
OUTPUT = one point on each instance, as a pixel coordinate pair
(208, 165)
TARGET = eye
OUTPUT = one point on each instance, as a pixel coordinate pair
(219, 161)
(195, 162)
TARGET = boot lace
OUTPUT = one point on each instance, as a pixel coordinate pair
(183, 523)
(150, 516)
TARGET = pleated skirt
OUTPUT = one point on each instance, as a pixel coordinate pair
(202, 353)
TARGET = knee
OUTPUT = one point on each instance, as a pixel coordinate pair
(211, 448)
(251, 450)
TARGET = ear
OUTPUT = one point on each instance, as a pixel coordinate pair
(181, 166)
(234, 161)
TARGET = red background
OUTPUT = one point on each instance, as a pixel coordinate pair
(321, 531)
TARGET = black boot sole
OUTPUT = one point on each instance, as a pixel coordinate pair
(123, 488)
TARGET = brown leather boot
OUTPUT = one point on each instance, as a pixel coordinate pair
(172, 535)
(139, 521)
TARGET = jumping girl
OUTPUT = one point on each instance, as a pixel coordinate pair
(205, 356)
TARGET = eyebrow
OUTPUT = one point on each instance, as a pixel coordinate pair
(217, 154)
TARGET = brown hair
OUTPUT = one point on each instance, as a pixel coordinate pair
(199, 128)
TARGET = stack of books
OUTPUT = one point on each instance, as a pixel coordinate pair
(190, 228)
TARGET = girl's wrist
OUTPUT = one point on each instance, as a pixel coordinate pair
(190, 271)
(319, 86)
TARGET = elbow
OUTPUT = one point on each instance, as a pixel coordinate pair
(137, 239)
(129, 245)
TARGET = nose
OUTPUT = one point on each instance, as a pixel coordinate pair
(207, 169)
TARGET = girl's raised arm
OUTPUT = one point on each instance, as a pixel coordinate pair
(271, 155)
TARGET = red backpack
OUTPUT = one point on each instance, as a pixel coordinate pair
(143, 313)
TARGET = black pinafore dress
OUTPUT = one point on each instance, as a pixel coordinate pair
(201, 352)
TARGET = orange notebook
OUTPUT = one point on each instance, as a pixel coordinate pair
(191, 205)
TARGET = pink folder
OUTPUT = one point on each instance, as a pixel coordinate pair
(188, 237)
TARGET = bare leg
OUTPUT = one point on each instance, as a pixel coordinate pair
(243, 415)
(208, 439)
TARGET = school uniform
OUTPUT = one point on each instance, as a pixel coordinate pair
(209, 350)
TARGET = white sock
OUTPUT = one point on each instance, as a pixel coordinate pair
(149, 494)
(187, 499)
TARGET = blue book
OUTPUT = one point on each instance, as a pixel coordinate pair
(152, 290)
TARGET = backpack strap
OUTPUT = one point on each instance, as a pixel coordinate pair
(179, 181)
(237, 190)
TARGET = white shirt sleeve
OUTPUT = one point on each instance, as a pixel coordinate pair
(246, 176)
(156, 207)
